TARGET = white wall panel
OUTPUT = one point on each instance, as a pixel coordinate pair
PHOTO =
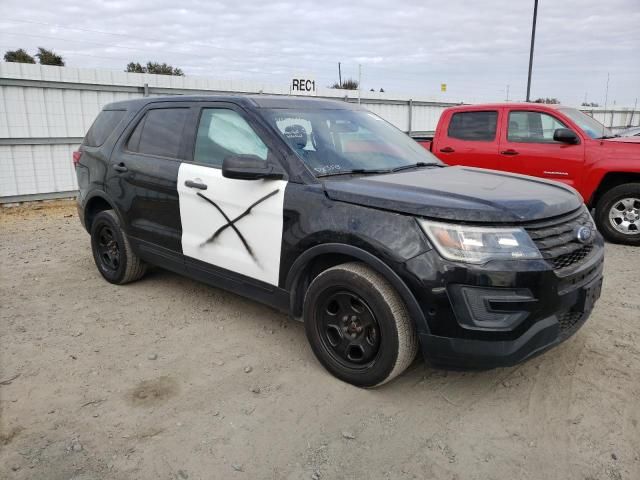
(58, 111)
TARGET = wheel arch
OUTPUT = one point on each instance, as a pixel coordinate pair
(96, 203)
(611, 180)
(320, 257)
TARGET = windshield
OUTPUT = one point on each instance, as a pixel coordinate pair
(331, 142)
(588, 124)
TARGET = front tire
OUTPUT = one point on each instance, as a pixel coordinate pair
(112, 252)
(358, 326)
(618, 214)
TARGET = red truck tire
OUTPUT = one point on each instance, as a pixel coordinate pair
(618, 214)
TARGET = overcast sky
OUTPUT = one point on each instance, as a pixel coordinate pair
(407, 47)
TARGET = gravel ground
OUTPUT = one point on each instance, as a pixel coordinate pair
(167, 378)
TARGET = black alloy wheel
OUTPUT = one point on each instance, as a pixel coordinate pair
(358, 325)
(108, 248)
(114, 257)
(348, 328)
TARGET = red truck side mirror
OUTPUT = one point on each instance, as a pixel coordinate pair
(566, 135)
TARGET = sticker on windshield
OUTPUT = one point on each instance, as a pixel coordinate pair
(327, 169)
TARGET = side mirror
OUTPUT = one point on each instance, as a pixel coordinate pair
(249, 167)
(565, 135)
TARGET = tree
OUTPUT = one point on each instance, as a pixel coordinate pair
(590, 104)
(547, 100)
(163, 69)
(135, 68)
(48, 57)
(348, 84)
(18, 56)
(155, 68)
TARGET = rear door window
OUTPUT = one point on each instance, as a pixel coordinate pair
(159, 133)
(103, 126)
(473, 126)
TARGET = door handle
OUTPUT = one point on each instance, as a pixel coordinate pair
(510, 151)
(192, 184)
(447, 150)
(120, 167)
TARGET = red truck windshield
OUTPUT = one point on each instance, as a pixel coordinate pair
(335, 141)
(588, 124)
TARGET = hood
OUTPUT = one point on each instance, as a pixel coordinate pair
(635, 140)
(461, 194)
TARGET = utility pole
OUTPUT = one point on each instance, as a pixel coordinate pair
(507, 92)
(635, 105)
(606, 99)
(339, 75)
(359, 81)
(533, 41)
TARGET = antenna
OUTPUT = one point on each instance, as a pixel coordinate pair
(339, 75)
(606, 98)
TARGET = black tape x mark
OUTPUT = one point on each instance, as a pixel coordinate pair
(232, 223)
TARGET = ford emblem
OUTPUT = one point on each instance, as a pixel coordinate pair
(584, 234)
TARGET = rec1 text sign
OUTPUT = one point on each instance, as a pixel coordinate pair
(303, 86)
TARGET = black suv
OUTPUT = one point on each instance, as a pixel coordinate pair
(325, 211)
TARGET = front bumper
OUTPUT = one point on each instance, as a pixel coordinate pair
(510, 316)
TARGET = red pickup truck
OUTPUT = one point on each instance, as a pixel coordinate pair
(552, 142)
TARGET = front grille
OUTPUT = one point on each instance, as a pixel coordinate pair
(570, 322)
(569, 259)
(557, 241)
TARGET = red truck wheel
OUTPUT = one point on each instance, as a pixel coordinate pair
(618, 214)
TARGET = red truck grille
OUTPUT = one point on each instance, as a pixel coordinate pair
(557, 240)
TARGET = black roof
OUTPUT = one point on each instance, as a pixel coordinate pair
(250, 101)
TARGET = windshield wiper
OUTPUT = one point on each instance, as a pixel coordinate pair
(352, 172)
(417, 165)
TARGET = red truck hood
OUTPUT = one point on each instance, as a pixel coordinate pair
(623, 140)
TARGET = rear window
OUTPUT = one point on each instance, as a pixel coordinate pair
(159, 132)
(103, 126)
(475, 126)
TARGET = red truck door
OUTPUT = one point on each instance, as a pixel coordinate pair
(527, 147)
(470, 138)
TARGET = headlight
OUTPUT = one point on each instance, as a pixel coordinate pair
(471, 244)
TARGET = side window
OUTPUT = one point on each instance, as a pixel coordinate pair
(223, 132)
(104, 124)
(159, 132)
(473, 126)
(532, 127)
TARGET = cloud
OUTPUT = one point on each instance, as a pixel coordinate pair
(408, 47)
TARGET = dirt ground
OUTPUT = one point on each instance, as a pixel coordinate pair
(167, 378)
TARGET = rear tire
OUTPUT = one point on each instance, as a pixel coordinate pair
(112, 252)
(618, 214)
(358, 326)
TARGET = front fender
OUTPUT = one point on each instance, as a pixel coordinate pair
(295, 285)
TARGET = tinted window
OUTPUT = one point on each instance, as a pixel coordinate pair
(159, 132)
(532, 127)
(105, 123)
(478, 126)
(222, 133)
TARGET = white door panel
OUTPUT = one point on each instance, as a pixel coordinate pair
(259, 255)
